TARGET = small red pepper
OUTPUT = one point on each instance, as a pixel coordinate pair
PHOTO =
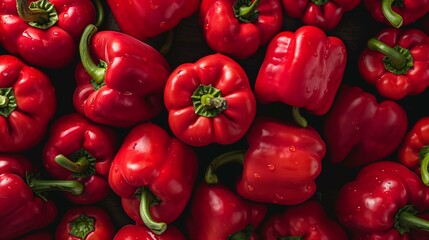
(141, 232)
(78, 149)
(238, 28)
(305, 221)
(397, 13)
(209, 101)
(154, 175)
(27, 104)
(126, 86)
(395, 61)
(85, 222)
(359, 130)
(325, 14)
(382, 202)
(45, 33)
(24, 207)
(302, 69)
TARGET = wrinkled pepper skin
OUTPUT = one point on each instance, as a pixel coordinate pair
(78, 149)
(154, 17)
(382, 202)
(141, 232)
(397, 13)
(209, 101)
(238, 28)
(325, 14)
(395, 62)
(306, 221)
(216, 212)
(50, 47)
(358, 129)
(154, 175)
(27, 104)
(302, 69)
(126, 87)
(85, 222)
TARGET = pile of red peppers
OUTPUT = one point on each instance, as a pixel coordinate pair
(214, 119)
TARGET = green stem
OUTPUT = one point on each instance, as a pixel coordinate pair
(100, 13)
(208, 101)
(229, 157)
(238, 236)
(165, 48)
(406, 220)
(41, 186)
(146, 200)
(397, 60)
(246, 10)
(4, 101)
(298, 118)
(40, 14)
(82, 225)
(80, 166)
(424, 164)
(391, 16)
(96, 72)
(7, 101)
(320, 2)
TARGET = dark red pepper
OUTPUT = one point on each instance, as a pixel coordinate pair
(141, 232)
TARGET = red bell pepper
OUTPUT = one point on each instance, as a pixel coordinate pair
(78, 149)
(238, 28)
(302, 69)
(325, 14)
(126, 86)
(305, 221)
(141, 232)
(209, 101)
(397, 13)
(85, 222)
(359, 130)
(279, 166)
(45, 33)
(216, 212)
(24, 206)
(382, 202)
(395, 61)
(153, 17)
(154, 175)
(27, 104)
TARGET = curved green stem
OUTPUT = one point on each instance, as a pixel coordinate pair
(41, 186)
(246, 10)
(397, 60)
(424, 164)
(229, 157)
(146, 200)
(406, 219)
(96, 72)
(298, 118)
(391, 16)
(80, 166)
(40, 14)
(100, 13)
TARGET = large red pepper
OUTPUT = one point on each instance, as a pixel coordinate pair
(126, 86)
(78, 149)
(382, 201)
(153, 17)
(397, 13)
(85, 222)
(395, 61)
(141, 232)
(302, 69)
(23, 204)
(305, 221)
(45, 33)
(325, 14)
(238, 28)
(154, 175)
(280, 164)
(209, 101)
(359, 130)
(27, 104)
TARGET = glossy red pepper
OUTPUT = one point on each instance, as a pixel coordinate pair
(280, 164)
(141, 232)
(45, 33)
(126, 86)
(238, 28)
(85, 222)
(358, 129)
(325, 14)
(216, 212)
(395, 62)
(382, 202)
(305, 221)
(397, 13)
(154, 17)
(302, 69)
(24, 207)
(209, 101)
(154, 175)
(27, 104)
(78, 149)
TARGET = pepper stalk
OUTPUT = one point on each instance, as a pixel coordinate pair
(41, 186)
(394, 18)
(147, 199)
(406, 219)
